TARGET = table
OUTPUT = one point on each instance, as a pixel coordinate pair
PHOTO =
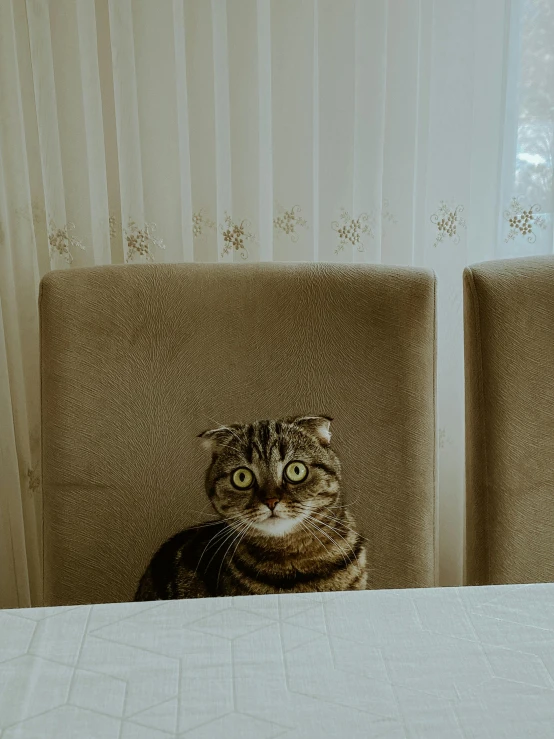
(446, 663)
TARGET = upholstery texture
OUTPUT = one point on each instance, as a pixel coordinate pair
(509, 367)
(139, 359)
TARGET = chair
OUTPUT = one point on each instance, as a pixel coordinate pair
(139, 359)
(509, 370)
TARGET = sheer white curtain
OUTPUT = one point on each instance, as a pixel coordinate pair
(394, 131)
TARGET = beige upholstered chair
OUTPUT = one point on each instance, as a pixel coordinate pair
(509, 366)
(137, 360)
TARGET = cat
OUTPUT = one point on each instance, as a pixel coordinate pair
(283, 528)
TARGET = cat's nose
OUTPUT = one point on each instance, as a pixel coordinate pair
(271, 503)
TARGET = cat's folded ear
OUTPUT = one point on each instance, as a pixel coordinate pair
(213, 438)
(318, 426)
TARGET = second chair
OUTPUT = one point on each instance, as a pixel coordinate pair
(509, 356)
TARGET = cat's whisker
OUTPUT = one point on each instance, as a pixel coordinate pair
(205, 508)
(237, 437)
(245, 531)
(234, 448)
(234, 433)
(211, 542)
(218, 520)
(234, 532)
(227, 534)
(204, 524)
(224, 425)
(346, 505)
(309, 520)
(344, 509)
(343, 523)
(311, 533)
(334, 530)
(232, 528)
(344, 555)
(342, 537)
(237, 539)
(220, 535)
(346, 527)
(357, 499)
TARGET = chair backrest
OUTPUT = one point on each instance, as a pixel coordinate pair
(137, 360)
(509, 367)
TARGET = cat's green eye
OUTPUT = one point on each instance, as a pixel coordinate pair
(242, 478)
(296, 472)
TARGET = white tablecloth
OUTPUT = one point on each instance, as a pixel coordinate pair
(439, 664)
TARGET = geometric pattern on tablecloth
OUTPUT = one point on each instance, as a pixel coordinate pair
(455, 663)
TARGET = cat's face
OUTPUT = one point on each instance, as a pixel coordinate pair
(272, 475)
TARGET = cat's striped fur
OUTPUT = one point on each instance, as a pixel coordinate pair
(287, 531)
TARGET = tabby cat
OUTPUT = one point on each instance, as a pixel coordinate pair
(276, 486)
